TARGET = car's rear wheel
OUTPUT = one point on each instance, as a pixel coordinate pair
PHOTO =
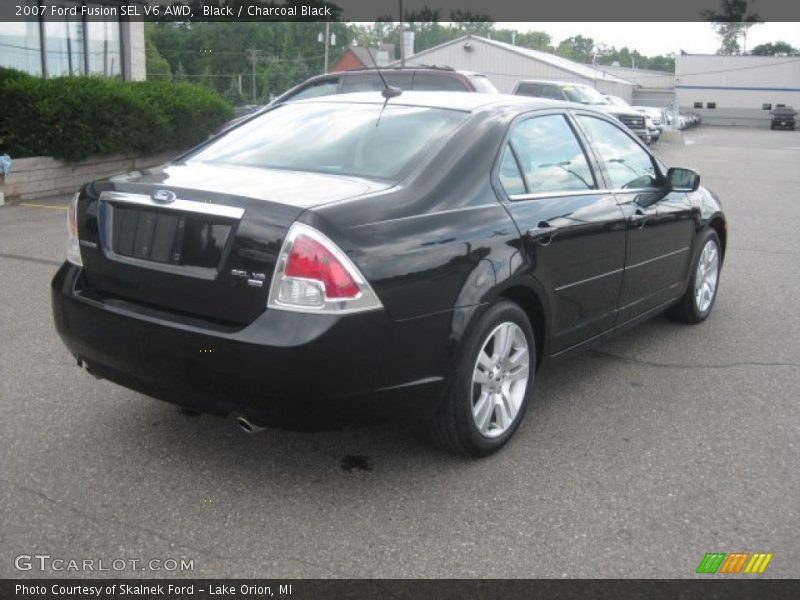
(698, 300)
(492, 384)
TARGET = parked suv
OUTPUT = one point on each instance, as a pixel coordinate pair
(366, 80)
(783, 117)
(584, 94)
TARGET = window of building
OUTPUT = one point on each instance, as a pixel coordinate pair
(65, 52)
(21, 47)
(105, 48)
(766, 106)
(57, 48)
(550, 156)
(711, 105)
(698, 105)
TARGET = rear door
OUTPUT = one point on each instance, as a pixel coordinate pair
(660, 225)
(573, 229)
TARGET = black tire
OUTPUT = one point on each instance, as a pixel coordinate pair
(453, 427)
(686, 309)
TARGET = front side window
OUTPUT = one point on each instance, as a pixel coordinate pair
(628, 165)
(584, 94)
(364, 140)
(550, 156)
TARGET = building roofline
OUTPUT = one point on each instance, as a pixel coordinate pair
(524, 52)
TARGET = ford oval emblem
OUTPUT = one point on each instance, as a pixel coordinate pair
(163, 197)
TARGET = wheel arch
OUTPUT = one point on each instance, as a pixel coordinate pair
(528, 299)
(718, 224)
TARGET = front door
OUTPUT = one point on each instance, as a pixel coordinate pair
(660, 224)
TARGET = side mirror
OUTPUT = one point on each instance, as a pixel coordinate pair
(683, 180)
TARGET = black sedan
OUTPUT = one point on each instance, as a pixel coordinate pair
(353, 254)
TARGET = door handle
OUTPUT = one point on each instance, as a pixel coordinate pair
(542, 234)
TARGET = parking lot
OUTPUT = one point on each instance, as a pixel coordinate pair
(635, 459)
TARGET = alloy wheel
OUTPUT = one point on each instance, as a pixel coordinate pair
(499, 379)
(705, 281)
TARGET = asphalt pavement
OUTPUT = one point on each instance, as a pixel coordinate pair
(635, 459)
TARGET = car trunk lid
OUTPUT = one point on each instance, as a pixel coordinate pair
(198, 239)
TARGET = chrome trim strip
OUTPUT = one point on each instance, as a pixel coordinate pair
(516, 197)
(574, 283)
(649, 260)
(192, 206)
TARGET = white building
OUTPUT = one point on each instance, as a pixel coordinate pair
(653, 88)
(53, 48)
(505, 64)
(736, 90)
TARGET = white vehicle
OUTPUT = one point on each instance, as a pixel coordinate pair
(583, 94)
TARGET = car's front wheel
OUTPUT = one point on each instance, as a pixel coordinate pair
(697, 302)
(492, 385)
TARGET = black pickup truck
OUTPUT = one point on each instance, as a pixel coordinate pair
(783, 117)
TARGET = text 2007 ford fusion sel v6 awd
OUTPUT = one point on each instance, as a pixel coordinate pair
(358, 253)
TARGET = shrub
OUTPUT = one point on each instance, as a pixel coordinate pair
(73, 117)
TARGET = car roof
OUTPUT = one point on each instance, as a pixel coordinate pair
(368, 70)
(462, 101)
(553, 82)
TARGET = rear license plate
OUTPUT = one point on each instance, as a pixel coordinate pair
(168, 237)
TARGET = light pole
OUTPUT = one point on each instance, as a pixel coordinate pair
(328, 40)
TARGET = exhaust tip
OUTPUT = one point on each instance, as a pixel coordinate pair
(247, 426)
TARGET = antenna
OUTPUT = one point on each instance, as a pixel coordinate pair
(388, 91)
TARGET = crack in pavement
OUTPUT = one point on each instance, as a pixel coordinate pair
(99, 520)
(647, 363)
(779, 252)
(43, 261)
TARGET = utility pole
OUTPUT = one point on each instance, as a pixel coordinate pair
(252, 55)
(402, 37)
(327, 42)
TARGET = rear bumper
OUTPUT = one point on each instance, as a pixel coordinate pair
(285, 369)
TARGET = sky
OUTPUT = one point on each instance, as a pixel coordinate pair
(660, 38)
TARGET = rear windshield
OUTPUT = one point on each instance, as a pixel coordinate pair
(326, 137)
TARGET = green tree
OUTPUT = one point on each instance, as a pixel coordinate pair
(732, 24)
(775, 49)
(577, 48)
(157, 66)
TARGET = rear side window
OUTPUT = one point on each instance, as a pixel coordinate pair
(529, 89)
(629, 166)
(371, 82)
(320, 88)
(510, 177)
(550, 156)
(431, 82)
(483, 85)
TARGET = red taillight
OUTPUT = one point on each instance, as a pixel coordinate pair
(314, 275)
(311, 260)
